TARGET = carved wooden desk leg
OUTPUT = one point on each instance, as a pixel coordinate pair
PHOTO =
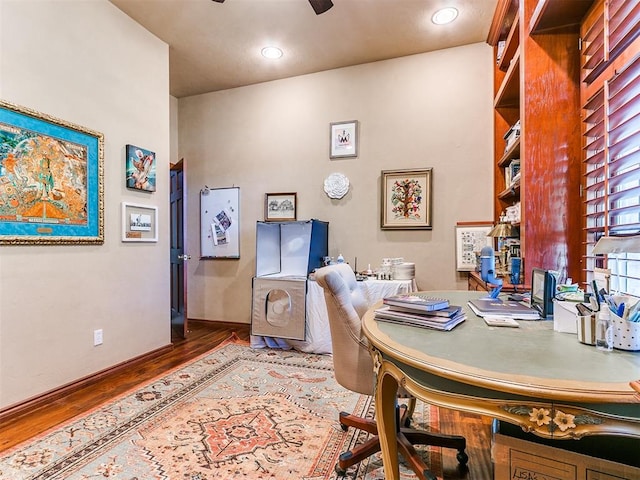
(386, 391)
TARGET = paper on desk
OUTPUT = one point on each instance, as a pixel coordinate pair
(497, 321)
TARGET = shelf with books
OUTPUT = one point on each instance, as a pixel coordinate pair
(510, 154)
(550, 125)
(512, 173)
(511, 192)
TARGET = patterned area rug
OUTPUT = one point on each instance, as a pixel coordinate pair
(234, 413)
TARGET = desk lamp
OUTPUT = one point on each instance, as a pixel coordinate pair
(615, 246)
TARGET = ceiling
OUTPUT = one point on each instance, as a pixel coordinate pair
(215, 46)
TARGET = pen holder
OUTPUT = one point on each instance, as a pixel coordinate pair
(587, 329)
(626, 334)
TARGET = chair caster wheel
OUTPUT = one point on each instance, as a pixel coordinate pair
(340, 471)
(344, 427)
(462, 457)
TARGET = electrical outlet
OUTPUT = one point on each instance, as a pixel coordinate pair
(97, 337)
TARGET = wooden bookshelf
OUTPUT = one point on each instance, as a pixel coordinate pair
(537, 82)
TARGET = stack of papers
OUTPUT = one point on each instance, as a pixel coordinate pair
(420, 310)
(435, 320)
(495, 307)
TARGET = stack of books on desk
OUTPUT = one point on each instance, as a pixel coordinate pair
(420, 311)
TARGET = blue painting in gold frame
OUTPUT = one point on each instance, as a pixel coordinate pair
(51, 179)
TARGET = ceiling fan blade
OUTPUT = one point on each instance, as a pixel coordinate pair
(320, 6)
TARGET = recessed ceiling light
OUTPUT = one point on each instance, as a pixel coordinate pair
(444, 15)
(271, 52)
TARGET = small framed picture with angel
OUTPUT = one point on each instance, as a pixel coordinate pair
(141, 169)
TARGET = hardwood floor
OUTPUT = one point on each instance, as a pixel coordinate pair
(204, 336)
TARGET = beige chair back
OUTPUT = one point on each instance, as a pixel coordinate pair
(352, 363)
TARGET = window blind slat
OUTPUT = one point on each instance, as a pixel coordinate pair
(625, 163)
(624, 146)
(594, 159)
(626, 128)
(623, 24)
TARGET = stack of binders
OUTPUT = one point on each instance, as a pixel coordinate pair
(420, 311)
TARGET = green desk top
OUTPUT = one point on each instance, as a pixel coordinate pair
(531, 356)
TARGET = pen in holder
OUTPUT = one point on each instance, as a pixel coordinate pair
(587, 329)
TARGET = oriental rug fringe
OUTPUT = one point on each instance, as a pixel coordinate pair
(233, 413)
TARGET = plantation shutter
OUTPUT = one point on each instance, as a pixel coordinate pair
(612, 169)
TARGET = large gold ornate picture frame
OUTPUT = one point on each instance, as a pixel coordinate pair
(51, 180)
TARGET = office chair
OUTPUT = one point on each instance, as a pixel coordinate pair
(353, 369)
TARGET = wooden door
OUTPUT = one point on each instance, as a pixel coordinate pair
(179, 323)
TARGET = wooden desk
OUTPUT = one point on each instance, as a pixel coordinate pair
(544, 381)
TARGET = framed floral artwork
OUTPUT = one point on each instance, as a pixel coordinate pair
(406, 199)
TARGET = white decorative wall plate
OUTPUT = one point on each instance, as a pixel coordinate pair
(336, 185)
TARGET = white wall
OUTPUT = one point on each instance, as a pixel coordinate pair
(87, 63)
(429, 110)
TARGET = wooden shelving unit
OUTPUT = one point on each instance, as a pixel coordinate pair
(536, 82)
